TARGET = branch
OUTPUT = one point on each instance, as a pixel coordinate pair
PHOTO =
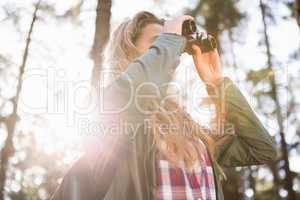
(8, 150)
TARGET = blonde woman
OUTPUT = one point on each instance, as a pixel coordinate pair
(160, 152)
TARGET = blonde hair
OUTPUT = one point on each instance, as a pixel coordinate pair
(176, 145)
(121, 49)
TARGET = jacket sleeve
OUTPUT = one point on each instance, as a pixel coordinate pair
(244, 140)
(123, 105)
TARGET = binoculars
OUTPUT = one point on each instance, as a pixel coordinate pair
(206, 42)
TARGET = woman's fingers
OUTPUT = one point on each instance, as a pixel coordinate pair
(201, 63)
(197, 50)
(175, 25)
(207, 64)
(216, 61)
(213, 59)
(185, 17)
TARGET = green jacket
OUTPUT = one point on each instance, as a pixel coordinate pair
(120, 165)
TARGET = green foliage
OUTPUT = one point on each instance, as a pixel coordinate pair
(223, 14)
(256, 76)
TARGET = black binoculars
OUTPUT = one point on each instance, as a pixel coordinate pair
(206, 42)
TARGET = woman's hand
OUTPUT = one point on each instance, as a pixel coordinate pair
(175, 25)
(208, 65)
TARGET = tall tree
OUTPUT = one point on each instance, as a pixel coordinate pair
(102, 29)
(297, 11)
(288, 181)
(219, 16)
(11, 120)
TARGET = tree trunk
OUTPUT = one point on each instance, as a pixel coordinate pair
(101, 37)
(297, 11)
(10, 122)
(288, 182)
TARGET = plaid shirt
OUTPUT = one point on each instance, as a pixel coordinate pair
(174, 183)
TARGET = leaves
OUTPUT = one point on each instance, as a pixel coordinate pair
(256, 76)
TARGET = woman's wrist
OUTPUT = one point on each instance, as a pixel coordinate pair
(211, 86)
(215, 81)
